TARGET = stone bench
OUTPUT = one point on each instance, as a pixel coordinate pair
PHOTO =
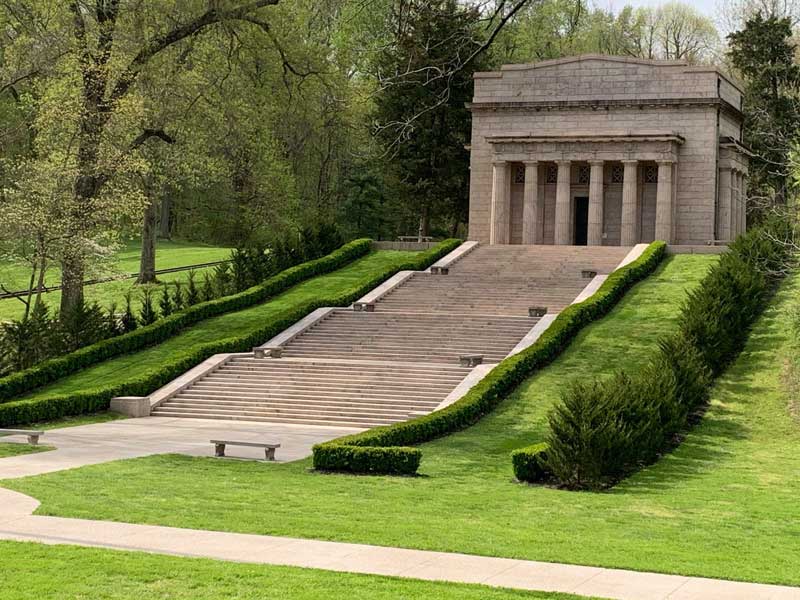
(219, 447)
(414, 238)
(33, 436)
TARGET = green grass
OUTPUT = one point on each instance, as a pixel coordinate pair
(9, 449)
(724, 504)
(34, 571)
(119, 369)
(169, 254)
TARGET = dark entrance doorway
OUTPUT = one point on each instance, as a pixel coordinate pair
(581, 220)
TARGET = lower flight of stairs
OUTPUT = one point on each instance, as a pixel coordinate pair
(314, 392)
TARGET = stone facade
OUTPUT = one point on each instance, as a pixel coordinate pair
(603, 150)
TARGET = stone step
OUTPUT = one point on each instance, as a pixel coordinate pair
(271, 366)
(300, 410)
(380, 380)
(339, 366)
(413, 385)
(330, 421)
(289, 402)
(325, 393)
(433, 358)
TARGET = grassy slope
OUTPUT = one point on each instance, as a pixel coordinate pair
(33, 571)
(9, 449)
(225, 326)
(168, 255)
(724, 504)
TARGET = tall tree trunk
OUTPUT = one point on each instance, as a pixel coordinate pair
(165, 222)
(72, 270)
(424, 222)
(147, 263)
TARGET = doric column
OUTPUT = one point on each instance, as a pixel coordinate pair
(501, 205)
(530, 208)
(736, 210)
(563, 235)
(743, 193)
(725, 204)
(630, 232)
(664, 201)
(595, 231)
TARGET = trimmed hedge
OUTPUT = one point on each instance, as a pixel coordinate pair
(607, 429)
(530, 463)
(29, 411)
(487, 393)
(47, 372)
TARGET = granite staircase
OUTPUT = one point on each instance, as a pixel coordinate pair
(400, 358)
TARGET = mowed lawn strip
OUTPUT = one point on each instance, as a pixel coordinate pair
(168, 255)
(230, 325)
(724, 504)
(11, 449)
(35, 571)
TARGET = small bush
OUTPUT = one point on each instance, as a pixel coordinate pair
(530, 464)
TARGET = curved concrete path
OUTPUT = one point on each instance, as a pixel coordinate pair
(17, 523)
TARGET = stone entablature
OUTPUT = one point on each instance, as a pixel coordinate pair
(606, 150)
(585, 146)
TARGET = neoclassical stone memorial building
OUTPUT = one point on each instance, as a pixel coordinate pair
(604, 150)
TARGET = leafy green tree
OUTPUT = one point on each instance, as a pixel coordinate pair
(764, 54)
(424, 124)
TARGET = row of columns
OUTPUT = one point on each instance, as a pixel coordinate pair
(531, 228)
(732, 220)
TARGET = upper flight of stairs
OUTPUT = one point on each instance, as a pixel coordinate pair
(505, 280)
(363, 369)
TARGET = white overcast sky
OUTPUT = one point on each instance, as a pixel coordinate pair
(709, 7)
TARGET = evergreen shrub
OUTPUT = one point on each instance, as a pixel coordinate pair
(602, 431)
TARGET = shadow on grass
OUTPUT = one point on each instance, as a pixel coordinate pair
(709, 444)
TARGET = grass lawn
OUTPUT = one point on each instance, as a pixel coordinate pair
(724, 504)
(35, 571)
(9, 449)
(169, 254)
(229, 325)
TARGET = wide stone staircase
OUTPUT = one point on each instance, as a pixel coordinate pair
(400, 357)
(313, 392)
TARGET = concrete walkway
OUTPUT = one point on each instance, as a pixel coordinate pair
(132, 438)
(17, 523)
(103, 442)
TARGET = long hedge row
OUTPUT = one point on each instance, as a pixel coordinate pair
(51, 370)
(387, 449)
(604, 430)
(28, 411)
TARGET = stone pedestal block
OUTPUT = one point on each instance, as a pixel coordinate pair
(132, 406)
